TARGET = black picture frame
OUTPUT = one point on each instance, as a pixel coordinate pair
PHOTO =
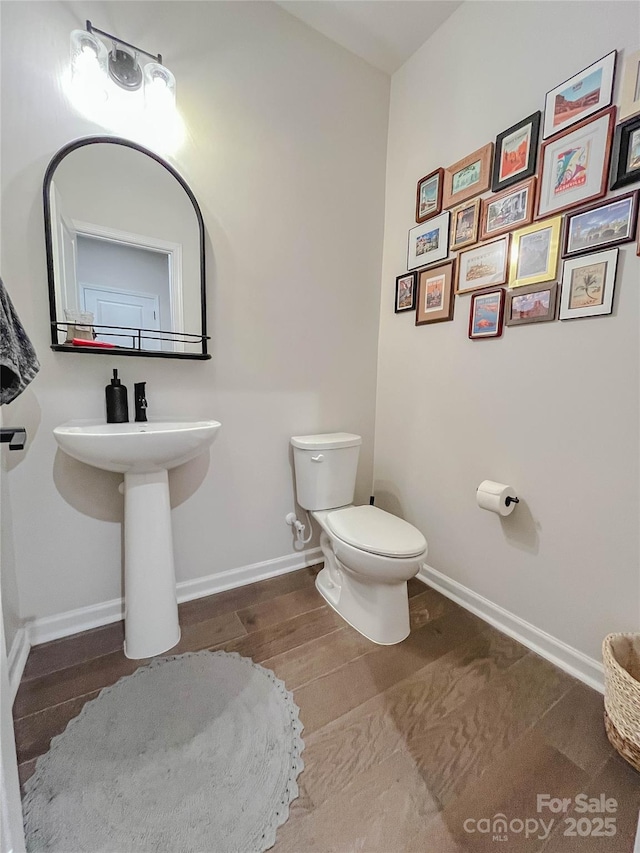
(412, 306)
(599, 236)
(534, 121)
(620, 174)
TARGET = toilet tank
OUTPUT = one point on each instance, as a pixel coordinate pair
(325, 467)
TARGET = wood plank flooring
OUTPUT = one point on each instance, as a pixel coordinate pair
(408, 747)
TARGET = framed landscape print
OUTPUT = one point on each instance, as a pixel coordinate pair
(574, 165)
(486, 314)
(429, 242)
(625, 159)
(406, 292)
(516, 152)
(465, 220)
(630, 91)
(579, 97)
(587, 285)
(429, 195)
(435, 294)
(533, 304)
(534, 253)
(483, 265)
(468, 177)
(602, 225)
(511, 209)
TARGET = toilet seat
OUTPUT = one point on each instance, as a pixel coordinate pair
(375, 531)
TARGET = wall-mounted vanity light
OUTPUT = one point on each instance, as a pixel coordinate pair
(95, 70)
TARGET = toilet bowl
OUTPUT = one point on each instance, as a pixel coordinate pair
(369, 554)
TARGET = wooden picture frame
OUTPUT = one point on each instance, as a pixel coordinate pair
(484, 265)
(516, 153)
(601, 226)
(534, 253)
(625, 156)
(428, 242)
(574, 165)
(469, 177)
(511, 209)
(579, 97)
(536, 303)
(435, 294)
(465, 221)
(486, 314)
(405, 292)
(588, 285)
(630, 89)
(429, 195)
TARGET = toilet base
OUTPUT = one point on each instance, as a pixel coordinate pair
(380, 612)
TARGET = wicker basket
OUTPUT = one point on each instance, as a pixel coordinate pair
(621, 657)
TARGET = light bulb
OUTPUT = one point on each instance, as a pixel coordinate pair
(159, 87)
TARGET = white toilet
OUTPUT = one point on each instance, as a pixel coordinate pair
(369, 554)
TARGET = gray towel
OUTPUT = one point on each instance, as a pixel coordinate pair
(18, 361)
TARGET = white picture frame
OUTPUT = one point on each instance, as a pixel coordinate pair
(582, 95)
(578, 297)
(428, 242)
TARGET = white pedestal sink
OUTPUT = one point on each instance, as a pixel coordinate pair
(143, 452)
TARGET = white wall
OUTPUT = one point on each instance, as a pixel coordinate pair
(285, 150)
(551, 408)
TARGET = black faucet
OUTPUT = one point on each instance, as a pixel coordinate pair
(140, 400)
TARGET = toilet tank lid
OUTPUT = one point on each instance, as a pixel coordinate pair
(326, 441)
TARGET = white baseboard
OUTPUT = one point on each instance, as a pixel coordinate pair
(17, 658)
(576, 663)
(73, 621)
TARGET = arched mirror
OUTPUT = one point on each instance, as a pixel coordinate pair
(125, 253)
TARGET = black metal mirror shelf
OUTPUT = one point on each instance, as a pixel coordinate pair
(125, 253)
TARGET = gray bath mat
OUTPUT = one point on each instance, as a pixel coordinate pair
(192, 754)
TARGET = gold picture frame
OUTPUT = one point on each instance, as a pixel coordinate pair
(535, 250)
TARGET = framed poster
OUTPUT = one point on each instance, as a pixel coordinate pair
(435, 294)
(580, 96)
(468, 177)
(587, 285)
(486, 314)
(625, 158)
(575, 164)
(511, 209)
(405, 292)
(630, 91)
(516, 153)
(429, 242)
(483, 265)
(602, 225)
(429, 195)
(534, 253)
(465, 220)
(533, 304)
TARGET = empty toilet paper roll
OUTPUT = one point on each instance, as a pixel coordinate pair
(496, 497)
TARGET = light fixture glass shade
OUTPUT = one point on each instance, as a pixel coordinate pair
(159, 86)
(89, 63)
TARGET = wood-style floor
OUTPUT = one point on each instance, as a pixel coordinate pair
(405, 745)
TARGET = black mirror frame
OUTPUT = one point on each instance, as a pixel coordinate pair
(53, 165)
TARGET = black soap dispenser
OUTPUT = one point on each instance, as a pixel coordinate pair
(117, 404)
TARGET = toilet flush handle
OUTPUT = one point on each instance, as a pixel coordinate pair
(318, 458)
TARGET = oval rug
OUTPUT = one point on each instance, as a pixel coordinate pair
(198, 752)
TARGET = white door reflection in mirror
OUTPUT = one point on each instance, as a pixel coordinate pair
(125, 249)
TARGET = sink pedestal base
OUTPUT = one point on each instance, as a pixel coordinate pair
(151, 608)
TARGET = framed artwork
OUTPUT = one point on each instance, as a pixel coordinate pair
(533, 304)
(602, 225)
(486, 314)
(575, 164)
(625, 158)
(511, 209)
(435, 294)
(406, 292)
(587, 285)
(468, 177)
(516, 152)
(630, 90)
(429, 242)
(429, 195)
(465, 220)
(483, 265)
(580, 96)
(534, 253)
